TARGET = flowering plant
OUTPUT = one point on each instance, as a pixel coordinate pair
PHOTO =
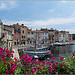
(27, 65)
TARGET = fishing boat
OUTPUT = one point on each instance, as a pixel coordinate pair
(38, 52)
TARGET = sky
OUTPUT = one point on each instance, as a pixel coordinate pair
(59, 15)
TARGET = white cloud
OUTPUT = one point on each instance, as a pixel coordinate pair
(4, 5)
(52, 21)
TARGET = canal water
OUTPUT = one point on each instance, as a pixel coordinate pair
(58, 51)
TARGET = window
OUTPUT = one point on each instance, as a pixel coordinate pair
(63, 35)
(32, 33)
(28, 32)
(56, 39)
(8, 33)
(46, 38)
(17, 38)
(56, 34)
(17, 33)
(23, 31)
(43, 33)
(60, 35)
(22, 37)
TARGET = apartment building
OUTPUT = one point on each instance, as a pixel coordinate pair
(24, 30)
(41, 36)
(30, 36)
(17, 33)
(9, 35)
(70, 38)
(64, 36)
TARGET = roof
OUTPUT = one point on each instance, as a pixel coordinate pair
(38, 31)
(16, 25)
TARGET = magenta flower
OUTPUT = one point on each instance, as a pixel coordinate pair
(50, 69)
(43, 62)
(52, 58)
(39, 68)
(29, 59)
(50, 54)
(33, 71)
(61, 65)
(61, 58)
(12, 51)
(54, 64)
(34, 59)
(12, 69)
(73, 54)
(7, 72)
(48, 62)
(27, 72)
(37, 63)
(15, 59)
(56, 73)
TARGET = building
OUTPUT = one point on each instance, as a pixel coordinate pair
(70, 38)
(64, 36)
(1, 30)
(41, 36)
(53, 35)
(24, 30)
(30, 36)
(17, 33)
(9, 35)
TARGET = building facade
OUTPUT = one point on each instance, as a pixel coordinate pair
(70, 38)
(17, 34)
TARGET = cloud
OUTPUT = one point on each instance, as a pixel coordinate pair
(7, 5)
(52, 21)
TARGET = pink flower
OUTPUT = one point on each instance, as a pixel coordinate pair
(27, 72)
(12, 51)
(51, 65)
(73, 54)
(12, 69)
(48, 62)
(50, 69)
(7, 72)
(61, 65)
(39, 68)
(50, 54)
(29, 59)
(54, 64)
(37, 63)
(61, 58)
(43, 62)
(57, 63)
(52, 58)
(42, 65)
(34, 59)
(15, 59)
(11, 72)
(33, 71)
(56, 73)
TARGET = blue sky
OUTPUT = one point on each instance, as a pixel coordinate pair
(39, 14)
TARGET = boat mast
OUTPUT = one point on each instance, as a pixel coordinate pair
(35, 46)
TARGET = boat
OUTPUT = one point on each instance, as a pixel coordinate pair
(38, 52)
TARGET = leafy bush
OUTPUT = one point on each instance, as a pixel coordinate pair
(27, 65)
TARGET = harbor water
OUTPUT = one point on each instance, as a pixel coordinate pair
(58, 51)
